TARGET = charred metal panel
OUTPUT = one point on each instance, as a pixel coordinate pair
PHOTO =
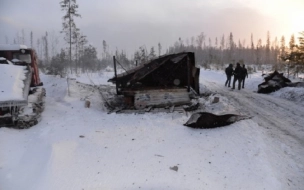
(165, 72)
(158, 98)
(174, 71)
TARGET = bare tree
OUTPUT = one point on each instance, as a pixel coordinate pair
(46, 48)
(267, 49)
(222, 42)
(6, 39)
(22, 36)
(152, 53)
(39, 52)
(200, 39)
(259, 52)
(104, 46)
(159, 48)
(80, 40)
(231, 47)
(31, 39)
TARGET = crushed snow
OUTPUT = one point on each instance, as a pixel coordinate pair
(295, 94)
(12, 82)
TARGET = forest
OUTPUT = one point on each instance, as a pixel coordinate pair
(80, 56)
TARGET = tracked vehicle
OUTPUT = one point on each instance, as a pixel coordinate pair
(21, 92)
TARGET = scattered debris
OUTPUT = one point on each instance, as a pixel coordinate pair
(81, 136)
(275, 81)
(215, 100)
(192, 107)
(87, 104)
(158, 155)
(175, 168)
(205, 120)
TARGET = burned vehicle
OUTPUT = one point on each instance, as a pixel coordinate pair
(275, 81)
(165, 81)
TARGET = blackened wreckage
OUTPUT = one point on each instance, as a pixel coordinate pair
(165, 81)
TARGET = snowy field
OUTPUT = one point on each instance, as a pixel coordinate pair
(77, 148)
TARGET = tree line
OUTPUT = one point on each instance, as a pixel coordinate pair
(79, 56)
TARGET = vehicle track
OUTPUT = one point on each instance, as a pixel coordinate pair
(281, 128)
(269, 112)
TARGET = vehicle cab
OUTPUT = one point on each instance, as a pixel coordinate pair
(22, 55)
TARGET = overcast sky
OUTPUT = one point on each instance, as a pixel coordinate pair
(129, 24)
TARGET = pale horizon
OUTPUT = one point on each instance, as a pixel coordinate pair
(127, 25)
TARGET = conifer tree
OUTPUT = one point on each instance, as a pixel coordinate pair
(292, 42)
(159, 49)
(68, 25)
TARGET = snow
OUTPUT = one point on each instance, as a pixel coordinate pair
(12, 84)
(4, 61)
(290, 93)
(13, 47)
(16, 60)
(85, 148)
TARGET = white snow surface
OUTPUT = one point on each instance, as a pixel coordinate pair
(12, 82)
(85, 148)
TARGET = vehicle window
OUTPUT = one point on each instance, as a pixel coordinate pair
(23, 57)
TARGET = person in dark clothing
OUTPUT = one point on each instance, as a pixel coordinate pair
(229, 72)
(244, 75)
(237, 76)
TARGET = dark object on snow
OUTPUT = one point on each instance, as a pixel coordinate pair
(205, 120)
(192, 107)
(273, 82)
(175, 168)
(165, 81)
(215, 100)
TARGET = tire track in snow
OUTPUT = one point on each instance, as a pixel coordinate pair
(268, 111)
(282, 124)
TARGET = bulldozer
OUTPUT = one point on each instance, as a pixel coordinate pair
(22, 97)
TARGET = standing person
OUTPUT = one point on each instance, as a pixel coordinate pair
(229, 72)
(237, 76)
(244, 75)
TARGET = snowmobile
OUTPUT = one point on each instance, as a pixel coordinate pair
(21, 93)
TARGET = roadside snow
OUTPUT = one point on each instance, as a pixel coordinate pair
(11, 85)
(78, 148)
(291, 93)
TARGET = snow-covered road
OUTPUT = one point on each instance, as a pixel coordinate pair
(281, 122)
(78, 148)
